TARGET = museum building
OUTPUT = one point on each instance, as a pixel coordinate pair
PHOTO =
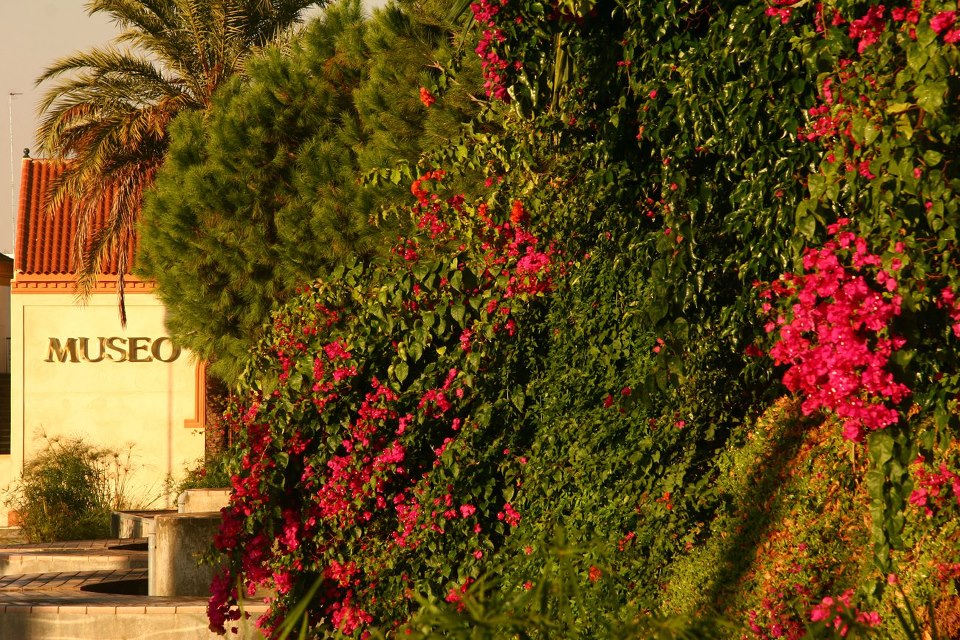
(75, 371)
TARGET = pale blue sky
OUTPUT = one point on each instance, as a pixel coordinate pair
(34, 33)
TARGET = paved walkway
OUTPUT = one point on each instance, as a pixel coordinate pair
(68, 601)
(75, 577)
(66, 581)
(87, 555)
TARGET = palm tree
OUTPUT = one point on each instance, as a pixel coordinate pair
(107, 116)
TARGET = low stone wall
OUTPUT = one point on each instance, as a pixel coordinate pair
(79, 622)
(21, 563)
(203, 500)
(179, 542)
(134, 524)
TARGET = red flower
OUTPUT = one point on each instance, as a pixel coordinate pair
(836, 343)
(943, 21)
(517, 214)
(426, 97)
(868, 28)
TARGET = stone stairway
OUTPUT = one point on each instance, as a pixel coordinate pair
(86, 555)
(96, 590)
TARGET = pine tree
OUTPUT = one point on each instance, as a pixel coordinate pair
(264, 192)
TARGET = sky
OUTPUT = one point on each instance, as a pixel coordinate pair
(33, 34)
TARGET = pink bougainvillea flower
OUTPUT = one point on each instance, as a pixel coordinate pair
(943, 21)
(837, 342)
(867, 30)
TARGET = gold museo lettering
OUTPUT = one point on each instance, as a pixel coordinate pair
(112, 349)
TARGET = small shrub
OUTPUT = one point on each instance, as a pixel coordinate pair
(68, 491)
(210, 473)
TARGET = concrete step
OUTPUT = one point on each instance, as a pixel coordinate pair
(89, 616)
(105, 605)
(22, 563)
(95, 581)
(84, 603)
(114, 555)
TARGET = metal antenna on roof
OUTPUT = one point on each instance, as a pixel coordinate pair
(13, 193)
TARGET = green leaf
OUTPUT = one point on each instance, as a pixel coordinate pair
(880, 447)
(930, 95)
(916, 56)
(905, 126)
(457, 311)
(400, 371)
(898, 107)
(816, 185)
(415, 351)
(518, 397)
(858, 124)
(932, 158)
(807, 226)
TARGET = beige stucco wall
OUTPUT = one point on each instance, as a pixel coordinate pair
(136, 406)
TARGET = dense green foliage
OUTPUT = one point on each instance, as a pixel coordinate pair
(263, 192)
(391, 413)
(682, 204)
(208, 473)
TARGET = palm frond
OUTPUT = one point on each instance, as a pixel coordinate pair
(108, 111)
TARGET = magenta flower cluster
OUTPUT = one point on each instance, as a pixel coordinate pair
(836, 613)
(494, 66)
(350, 480)
(933, 487)
(836, 339)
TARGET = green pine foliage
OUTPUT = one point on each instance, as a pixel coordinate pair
(265, 191)
(411, 46)
(106, 111)
(224, 228)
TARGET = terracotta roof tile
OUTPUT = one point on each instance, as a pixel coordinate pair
(45, 241)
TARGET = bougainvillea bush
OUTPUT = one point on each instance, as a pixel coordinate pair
(866, 321)
(691, 210)
(376, 423)
(791, 175)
